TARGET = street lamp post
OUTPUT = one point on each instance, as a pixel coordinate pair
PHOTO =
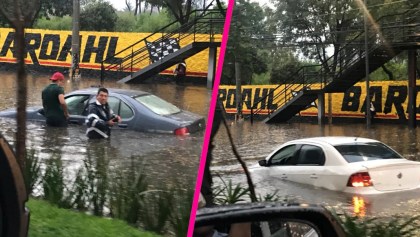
(368, 113)
(75, 40)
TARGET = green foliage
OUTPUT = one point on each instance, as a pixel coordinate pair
(50, 221)
(398, 69)
(395, 226)
(55, 8)
(98, 16)
(3, 21)
(180, 213)
(284, 65)
(128, 196)
(54, 23)
(79, 193)
(229, 194)
(156, 210)
(301, 22)
(261, 79)
(126, 22)
(153, 22)
(97, 180)
(248, 25)
(127, 193)
(32, 170)
(53, 180)
(269, 197)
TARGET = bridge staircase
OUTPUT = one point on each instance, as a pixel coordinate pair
(159, 51)
(337, 74)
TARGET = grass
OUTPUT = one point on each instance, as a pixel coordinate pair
(50, 221)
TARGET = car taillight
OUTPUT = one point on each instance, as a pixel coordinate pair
(361, 179)
(181, 131)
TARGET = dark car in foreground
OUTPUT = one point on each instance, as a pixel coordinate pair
(139, 110)
(14, 217)
(267, 219)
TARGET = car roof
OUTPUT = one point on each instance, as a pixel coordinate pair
(336, 140)
(127, 92)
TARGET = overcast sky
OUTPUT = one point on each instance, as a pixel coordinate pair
(120, 4)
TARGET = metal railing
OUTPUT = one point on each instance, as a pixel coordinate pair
(202, 28)
(395, 32)
(305, 79)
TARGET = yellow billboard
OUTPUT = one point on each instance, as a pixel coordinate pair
(53, 48)
(390, 99)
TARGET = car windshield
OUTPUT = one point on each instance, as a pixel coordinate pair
(157, 105)
(366, 151)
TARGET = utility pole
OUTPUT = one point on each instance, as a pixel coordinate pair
(75, 41)
(368, 114)
(238, 91)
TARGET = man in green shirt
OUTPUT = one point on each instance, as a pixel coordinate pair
(55, 107)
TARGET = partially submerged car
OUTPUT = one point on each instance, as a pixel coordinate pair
(347, 164)
(139, 111)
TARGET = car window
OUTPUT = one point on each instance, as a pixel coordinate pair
(114, 104)
(311, 155)
(283, 156)
(157, 105)
(120, 107)
(77, 104)
(125, 111)
(366, 151)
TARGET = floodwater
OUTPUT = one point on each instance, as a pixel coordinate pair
(168, 160)
(255, 142)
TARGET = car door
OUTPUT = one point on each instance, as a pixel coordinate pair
(281, 164)
(122, 109)
(310, 167)
(77, 106)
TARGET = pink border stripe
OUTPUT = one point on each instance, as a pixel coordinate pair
(210, 117)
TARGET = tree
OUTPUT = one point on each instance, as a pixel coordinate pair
(245, 45)
(98, 16)
(324, 24)
(55, 8)
(180, 9)
(20, 14)
(320, 26)
(284, 64)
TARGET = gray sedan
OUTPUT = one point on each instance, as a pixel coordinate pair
(139, 110)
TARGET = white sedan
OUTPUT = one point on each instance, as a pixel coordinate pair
(347, 164)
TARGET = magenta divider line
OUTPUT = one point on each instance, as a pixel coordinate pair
(210, 117)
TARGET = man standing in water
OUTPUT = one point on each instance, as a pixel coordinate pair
(55, 107)
(100, 118)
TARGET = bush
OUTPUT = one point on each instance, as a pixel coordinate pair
(394, 226)
(126, 22)
(32, 171)
(98, 16)
(152, 23)
(55, 23)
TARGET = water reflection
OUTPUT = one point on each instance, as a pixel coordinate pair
(359, 206)
(255, 142)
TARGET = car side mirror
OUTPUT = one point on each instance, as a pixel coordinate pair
(262, 162)
(267, 219)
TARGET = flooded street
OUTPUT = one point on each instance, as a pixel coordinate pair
(166, 159)
(255, 142)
